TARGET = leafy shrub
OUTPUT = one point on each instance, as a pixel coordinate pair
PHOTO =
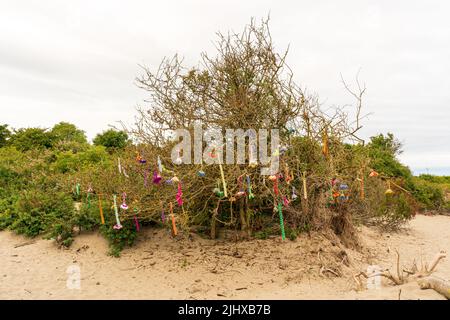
(429, 194)
(112, 139)
(69, 161)
(31, 138)
(118, 239)
(38, 211)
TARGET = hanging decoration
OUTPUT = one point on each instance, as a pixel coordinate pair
(334, 194)
(121, 169)
(251, 196)
(305, 189)
(373, 174)
(174, 226)
(217, 190)
(160, 166)
(224, 184)
(253, 161)
(285, 201)
(119, 165)
(201, 173)
(139, 158)
(325, 148)
(178, 161)
(280, 212)
(179, 195)
(294, 195)
(136, 222)
(241, 191)
(156, 177)
(118, 225)
(100, 207)
(77, 189)
(343, 192)
(362, 194)
(389, 190)
(287, 176)
(275, 186)
(276, 153)
(124, 205)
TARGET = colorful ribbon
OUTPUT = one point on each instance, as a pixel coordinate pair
(160, 167)
(294, 195)
(174, 226)
(305, 190)
(250, 193)
(124, 206)
(280, 212)
(100, 207)
(223, 181)
(179, 195)
(285, 201)
(325, 148)
(118, 225)
(275, 186)
(136, 222)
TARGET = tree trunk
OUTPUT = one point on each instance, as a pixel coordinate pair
(242, 214)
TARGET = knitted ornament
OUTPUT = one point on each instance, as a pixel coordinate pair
(124, 206)
(156, 177)
(179, 196)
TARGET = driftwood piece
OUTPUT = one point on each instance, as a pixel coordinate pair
(405, 275)
(438, 285)
(24, 244)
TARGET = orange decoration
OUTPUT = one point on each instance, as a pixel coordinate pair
(373, 173)
(174, 226)
(101, 209)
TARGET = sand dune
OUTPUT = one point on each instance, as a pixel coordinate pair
(159, 267)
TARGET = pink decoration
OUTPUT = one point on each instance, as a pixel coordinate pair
(156, 177)
(179, 195)
(285, 201)
(124, 206)
(136, 222)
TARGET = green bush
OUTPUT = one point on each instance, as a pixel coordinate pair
(429, 194)
(112, 139)
(118, 239)
(31, 138)
(67, 162)
(38, 211)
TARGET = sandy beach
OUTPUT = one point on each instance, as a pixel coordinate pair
(159, 267)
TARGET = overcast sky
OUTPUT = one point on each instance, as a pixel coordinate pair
(76, 60)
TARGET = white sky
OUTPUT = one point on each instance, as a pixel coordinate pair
(76, 61)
